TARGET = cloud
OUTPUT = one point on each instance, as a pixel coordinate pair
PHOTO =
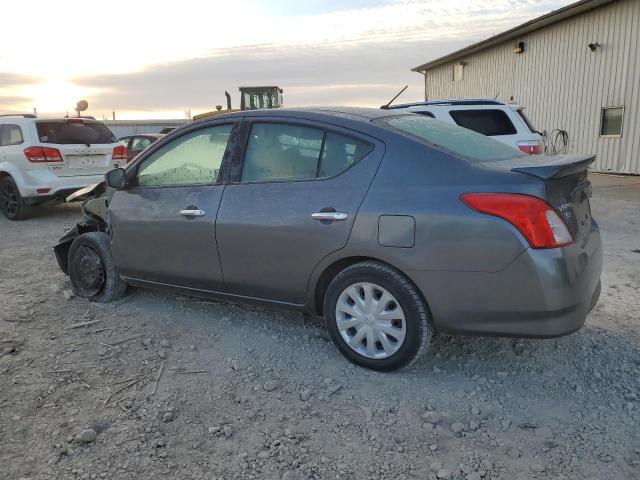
(352, 52)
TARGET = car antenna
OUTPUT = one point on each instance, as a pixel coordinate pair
(497, 94)
(393, 99)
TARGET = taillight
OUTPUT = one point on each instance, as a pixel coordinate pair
(43, 154)
(532, 148)
(536, 220)
(119, 153)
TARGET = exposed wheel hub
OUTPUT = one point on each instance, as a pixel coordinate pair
(90, 271)
(370, 320)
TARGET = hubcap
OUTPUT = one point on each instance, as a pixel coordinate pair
(370, 320)
(9, 199)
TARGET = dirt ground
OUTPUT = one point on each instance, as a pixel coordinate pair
(162, 386)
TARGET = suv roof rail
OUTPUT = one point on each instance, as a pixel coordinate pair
(23, 115)
(461, 101)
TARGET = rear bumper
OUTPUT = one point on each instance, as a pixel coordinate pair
(542, 293)
(59, 187)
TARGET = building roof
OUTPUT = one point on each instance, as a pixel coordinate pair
(536, 24)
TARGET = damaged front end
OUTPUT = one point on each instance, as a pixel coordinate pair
(95, 200)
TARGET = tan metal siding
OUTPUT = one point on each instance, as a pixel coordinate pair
(562, 84)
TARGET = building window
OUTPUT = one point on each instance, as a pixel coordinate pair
(611, 122)
(458, 72)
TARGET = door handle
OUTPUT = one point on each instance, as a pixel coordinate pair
(192, 213)
(329, 216)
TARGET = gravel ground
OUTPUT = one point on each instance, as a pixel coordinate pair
(162, 386)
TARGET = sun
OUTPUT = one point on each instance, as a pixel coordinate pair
(57, 95)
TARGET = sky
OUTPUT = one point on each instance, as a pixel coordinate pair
(163, 59)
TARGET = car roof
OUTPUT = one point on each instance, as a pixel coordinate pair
(356, 114)
(450, 102)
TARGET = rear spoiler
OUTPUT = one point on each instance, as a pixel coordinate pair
(557, 166)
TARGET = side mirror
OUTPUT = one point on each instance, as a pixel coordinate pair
(116, 178)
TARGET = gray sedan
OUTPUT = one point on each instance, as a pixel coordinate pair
(392, 226)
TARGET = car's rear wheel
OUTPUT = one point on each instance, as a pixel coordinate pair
(376, 317)
(11, 202)
(92, 271)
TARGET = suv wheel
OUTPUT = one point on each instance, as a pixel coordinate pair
(376, 317)
(92, 271)
(11, 202)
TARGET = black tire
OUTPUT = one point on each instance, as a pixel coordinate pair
(418, 323)
(11, 202)
(92, 271)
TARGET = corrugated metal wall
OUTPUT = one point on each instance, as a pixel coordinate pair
(562, 84)
(123, 128)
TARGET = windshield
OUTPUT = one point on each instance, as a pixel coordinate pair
(72, 132)
(457, 140)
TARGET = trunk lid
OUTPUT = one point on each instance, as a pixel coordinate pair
(567, 185)
(86, 146)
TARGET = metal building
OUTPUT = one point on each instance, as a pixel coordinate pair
(575, 69)
(123, 128)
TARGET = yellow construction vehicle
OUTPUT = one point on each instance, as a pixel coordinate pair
(251, 98)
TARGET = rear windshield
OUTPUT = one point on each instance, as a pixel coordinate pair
(487, 122)
(71, 132)
(459, 141)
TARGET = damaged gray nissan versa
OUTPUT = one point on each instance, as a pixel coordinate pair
(391, 226)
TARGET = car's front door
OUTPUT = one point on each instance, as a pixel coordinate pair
(163, 225)
(292, 203)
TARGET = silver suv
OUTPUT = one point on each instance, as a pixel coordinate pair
(44, 160)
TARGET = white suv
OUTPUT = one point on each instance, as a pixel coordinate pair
(504, 122)
(44, 160)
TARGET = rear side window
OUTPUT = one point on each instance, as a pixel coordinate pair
(140, 143)
(459, 141)
(530, 126)
(10, 135)
(340, 152)
(71, 132)
(295, 152)
(486, 122)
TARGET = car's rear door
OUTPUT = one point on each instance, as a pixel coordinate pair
(292, 202)
(163, 225)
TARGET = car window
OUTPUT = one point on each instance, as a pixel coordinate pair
(140, 143)
(192, 159)
(487, 122)
(459, 141)
(74, 131)
(526, 120)
(282, 152)
(10, 135)
(125, 141)
(340, 152)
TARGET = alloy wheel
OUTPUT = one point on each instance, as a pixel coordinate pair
(9, 199)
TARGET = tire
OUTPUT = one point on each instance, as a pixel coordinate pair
(403, 314)
(11, 202)
(92, 271)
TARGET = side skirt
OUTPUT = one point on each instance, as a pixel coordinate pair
(219, 296)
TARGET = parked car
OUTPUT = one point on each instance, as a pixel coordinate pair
(136, 143)
(44, 160)
(390, 225)
(506, 123)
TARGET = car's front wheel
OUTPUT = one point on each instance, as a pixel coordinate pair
(92, 270)
(376, 317)
(11, 202)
